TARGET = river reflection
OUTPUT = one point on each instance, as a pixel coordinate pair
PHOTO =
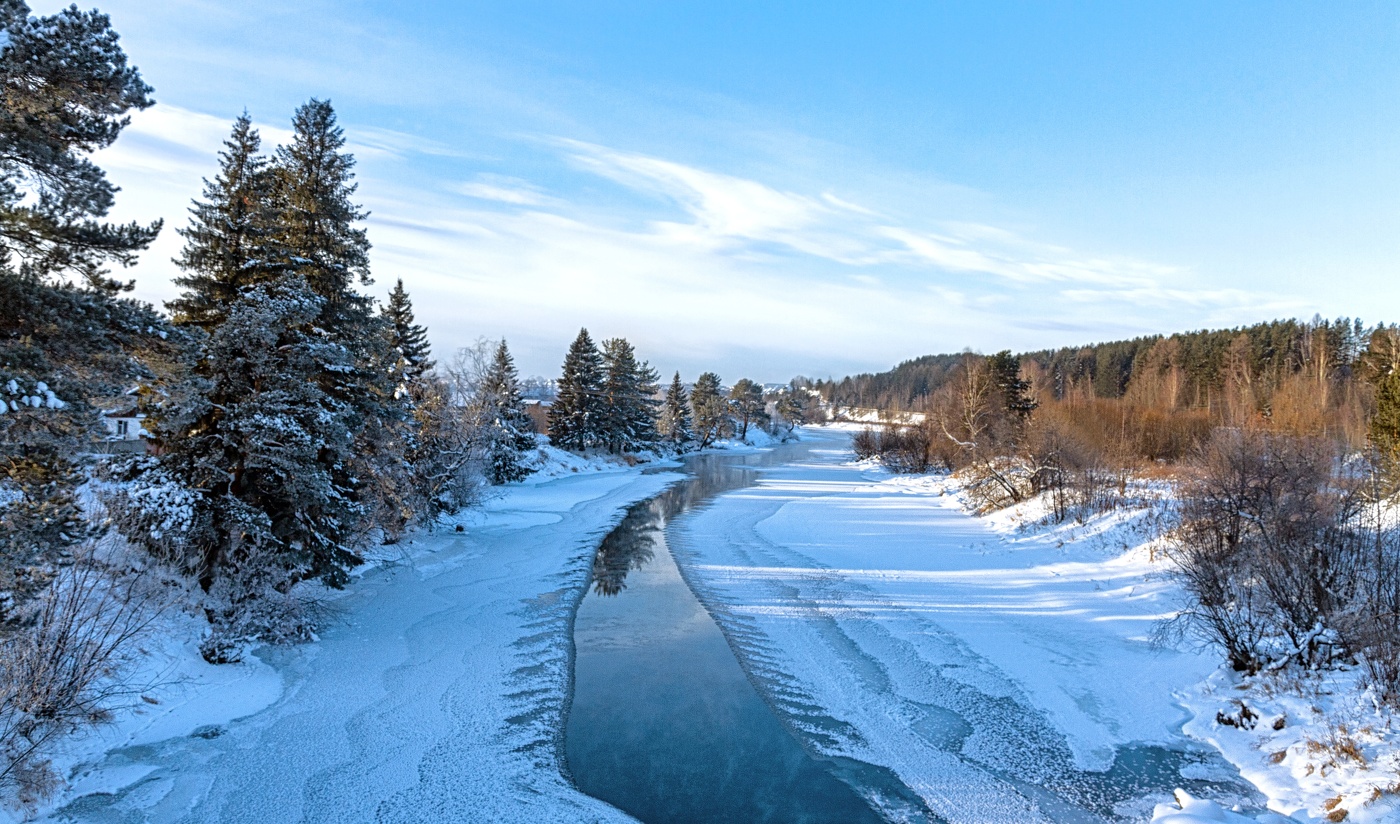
(664, 724)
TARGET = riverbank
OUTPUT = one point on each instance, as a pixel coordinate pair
(438, 695)
(1002, 675)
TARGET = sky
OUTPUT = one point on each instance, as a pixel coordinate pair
(767, 189)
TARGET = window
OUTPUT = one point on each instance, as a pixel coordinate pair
(123, 428)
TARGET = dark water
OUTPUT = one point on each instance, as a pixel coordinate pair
(664, 723)
(666, 726)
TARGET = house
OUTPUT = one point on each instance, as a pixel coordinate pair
(538, 411)
(124, 430)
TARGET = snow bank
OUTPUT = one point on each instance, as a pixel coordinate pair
(437, 695)
(1189, 810)
(979, 659)
(1316, 745)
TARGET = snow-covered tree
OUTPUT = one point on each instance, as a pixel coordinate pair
(409, 339)
(319, 236)
(68, 345)
(574, 419)
(508, 432)
(291, 419)
(228, 242)
(674, 423)
(711, 411)
(628, 413)
(268, 447)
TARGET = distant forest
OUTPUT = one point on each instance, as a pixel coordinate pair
(1203, 370)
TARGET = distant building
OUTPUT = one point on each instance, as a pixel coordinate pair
(538, 411)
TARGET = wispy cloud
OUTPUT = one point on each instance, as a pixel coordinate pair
(701, 269)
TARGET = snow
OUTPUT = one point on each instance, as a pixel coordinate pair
(879, 601)
(1318, 742)
(436, 695)
(1189, 810)
(981, 660)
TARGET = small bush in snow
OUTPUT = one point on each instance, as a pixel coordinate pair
(61, 668)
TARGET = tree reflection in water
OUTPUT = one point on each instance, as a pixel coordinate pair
(630, 546)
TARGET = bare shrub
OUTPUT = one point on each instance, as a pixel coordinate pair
(906, 450)
(865, 443)
(1269, 547)
(62, 667)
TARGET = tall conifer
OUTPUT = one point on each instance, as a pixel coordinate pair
(674, 423)
(228, 242)
(508, 430)
(410, 339)
(628, 413)
(574, 419)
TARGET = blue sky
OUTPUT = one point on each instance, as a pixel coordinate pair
(767, 189)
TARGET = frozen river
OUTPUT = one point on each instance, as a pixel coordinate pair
(798, 637)
(986, 680)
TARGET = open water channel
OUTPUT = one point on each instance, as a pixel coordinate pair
(666, 726)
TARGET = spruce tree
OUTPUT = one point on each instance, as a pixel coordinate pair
(509, 430)
(410, 340)
(256, 432)
(290, 421)
(228, 242)
(574, 419)
(316, 224)
(321, 242)
(628, 414)
(674, 424)
(1015, 391)
(711, 418)
(68, 346)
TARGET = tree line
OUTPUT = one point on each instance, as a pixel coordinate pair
(1282, 442)
(297, 421)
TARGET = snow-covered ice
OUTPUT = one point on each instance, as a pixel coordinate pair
(981, 664)
(438, 696)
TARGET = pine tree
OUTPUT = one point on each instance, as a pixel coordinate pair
(711, 412)
(68, 346)
(674, 423)
(746, 399)
(574, 419)
(628, 413)
(1015, 391)
(795, 407)
(228, 243)
(409, 339)
(509, 430)
(68, 89)
(263, 441)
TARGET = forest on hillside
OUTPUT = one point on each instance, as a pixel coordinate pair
(1224, 372)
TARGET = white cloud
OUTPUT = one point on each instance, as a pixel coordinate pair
(724, 272)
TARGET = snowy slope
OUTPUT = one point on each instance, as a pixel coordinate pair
(437, 697)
